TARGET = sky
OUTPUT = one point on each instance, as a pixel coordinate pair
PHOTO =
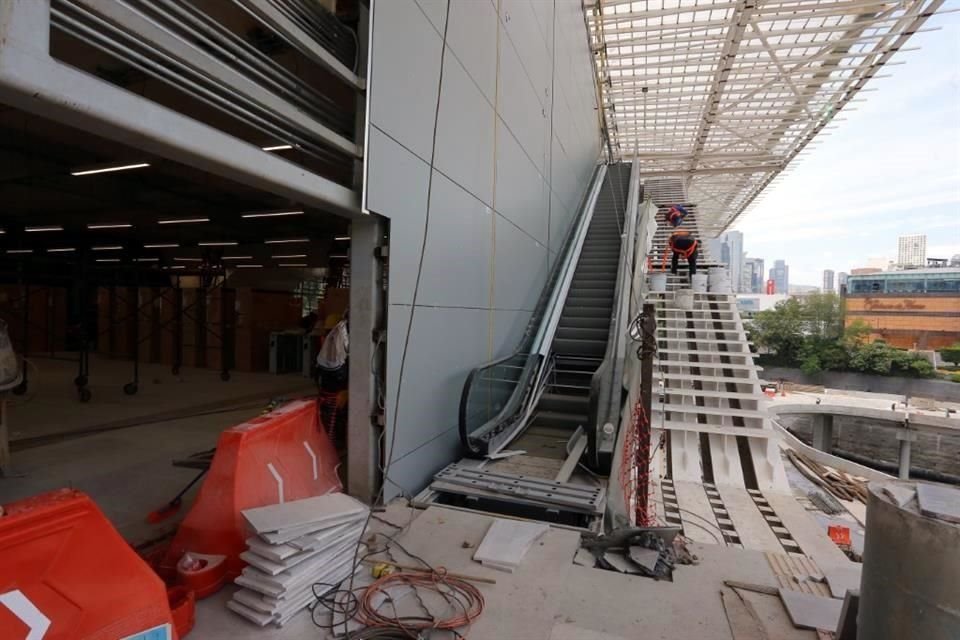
(891, 169)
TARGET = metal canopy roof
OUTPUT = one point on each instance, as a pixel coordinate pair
(724, 94)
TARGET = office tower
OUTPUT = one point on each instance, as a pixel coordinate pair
(780, 274)
(827, 280)
(912, 251)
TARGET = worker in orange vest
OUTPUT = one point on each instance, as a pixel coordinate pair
(675, 215)
(683, 245)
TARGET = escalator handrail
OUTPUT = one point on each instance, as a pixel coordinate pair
(535, 347)
(604, 389)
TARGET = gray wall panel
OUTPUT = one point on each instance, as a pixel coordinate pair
(397, 184)
(472, 36)
(520, 268)
(405, 79)
(465, 132)
(456, 268)
(521, 192)
(515, 143)
(445, 344)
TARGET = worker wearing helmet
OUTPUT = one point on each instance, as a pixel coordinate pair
(675, 215)
(683, 245)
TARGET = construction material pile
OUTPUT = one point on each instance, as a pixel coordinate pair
(297, 544)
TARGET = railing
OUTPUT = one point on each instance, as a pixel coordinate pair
(621, 497)
(498, 397)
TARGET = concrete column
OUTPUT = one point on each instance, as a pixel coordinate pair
(906, 438)
(366, 326)
(823, 432)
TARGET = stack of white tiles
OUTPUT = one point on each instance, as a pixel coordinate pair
(297, 544)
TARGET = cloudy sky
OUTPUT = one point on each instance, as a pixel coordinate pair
(892, 168)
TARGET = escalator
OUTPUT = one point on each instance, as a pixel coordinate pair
(530, 421)
(581, 338)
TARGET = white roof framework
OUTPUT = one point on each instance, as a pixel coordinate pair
(725, 93)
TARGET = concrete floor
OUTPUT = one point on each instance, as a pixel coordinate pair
(51, 405)
(550, 598)
(127, 470)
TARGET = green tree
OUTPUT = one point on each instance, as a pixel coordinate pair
(876, 358)
(824, 315)
(780, 329)
(856, 334)
(952, 354)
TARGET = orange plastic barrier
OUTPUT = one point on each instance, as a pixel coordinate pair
(281, 456)
(66, 574)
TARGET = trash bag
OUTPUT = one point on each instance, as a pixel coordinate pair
(336, 347)
(9, 367)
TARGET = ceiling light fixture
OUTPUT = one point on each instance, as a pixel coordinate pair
(293, 264)
(114, 247)
(61, 250)
(109, 225)
(287, 241)
(289, 256)
(109, 169)
(148, 259)
(188, 259)
(52, 227)
(216, 244)
(2, 231)
(108, 259)
(278, 147)
(249, 266)
(19, 251)
(271, 214)
(340, 257)
(238, 257)
(341, 238)
(168, 245)
(183, 220)
(176, 266)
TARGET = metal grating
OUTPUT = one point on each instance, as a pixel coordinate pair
(724, 94)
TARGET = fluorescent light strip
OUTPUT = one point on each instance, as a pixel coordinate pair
(278, 147)
(292, 264)
(189, 259)
(108, 259)
(148, 259)
(13, 251)
(114, 247)
(344, 257)
(289, 256)
(238, 257)
(341, 238)
(170, 245)
(109, 225)
(2, 231)
(176, 266)
(287, 241)
(183, 220)
(249, 266)
(46, 228)
(275, 214)
(217, 244)
(119, 167)
(61, 250)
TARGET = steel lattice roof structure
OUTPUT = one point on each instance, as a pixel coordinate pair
(723, 94)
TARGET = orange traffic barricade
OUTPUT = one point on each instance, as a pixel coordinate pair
(67, 574)
(281, 456)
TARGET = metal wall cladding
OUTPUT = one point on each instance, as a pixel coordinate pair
(480, 174)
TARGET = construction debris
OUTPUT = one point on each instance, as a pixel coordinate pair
(937, 501)
(838, 483)
(298, 544)
(506, 542)
(646, 551)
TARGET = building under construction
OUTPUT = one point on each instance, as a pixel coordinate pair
(355, 319)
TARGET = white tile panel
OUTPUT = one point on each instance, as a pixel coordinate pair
(435, 10)
(519, 107)
(521, 189)
(472, 35)
(520, 267)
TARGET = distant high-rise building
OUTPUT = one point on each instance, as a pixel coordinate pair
(912, 251)
(731, 254)
(827, 280)
(780, 274)
(754, 276)
(955, 260)
(842, 280)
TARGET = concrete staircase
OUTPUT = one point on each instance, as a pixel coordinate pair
(708, 404)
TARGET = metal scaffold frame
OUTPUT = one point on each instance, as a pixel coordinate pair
(725, 94)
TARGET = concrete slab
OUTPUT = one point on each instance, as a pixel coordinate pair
(809, 534)
(753, 530)
(842, 579)
(938, 501)
(811, 612)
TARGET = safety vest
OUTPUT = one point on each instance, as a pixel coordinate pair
(683, 253)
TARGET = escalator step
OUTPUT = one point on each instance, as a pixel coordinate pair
(562, 403)
(598, 322)
(596, 348)
(560, 420)
(583, 333)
